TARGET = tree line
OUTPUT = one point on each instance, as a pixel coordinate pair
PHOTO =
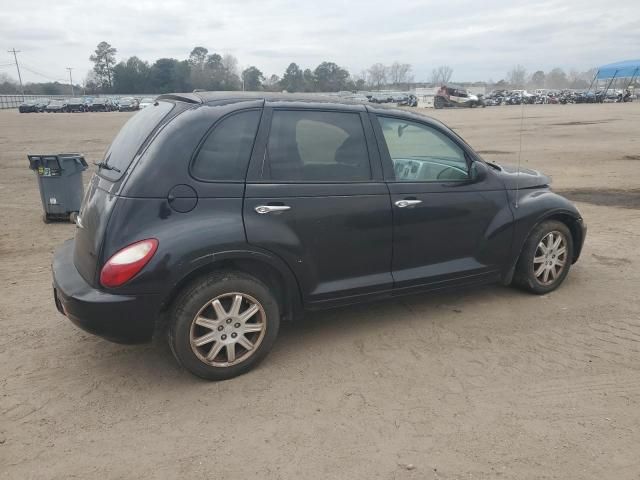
(204, 70)
(556, 79)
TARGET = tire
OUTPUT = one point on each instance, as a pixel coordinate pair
(525, 275)
(438, 103)
(46, 218)
(213, 360)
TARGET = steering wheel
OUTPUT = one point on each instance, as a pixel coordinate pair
(456, 170)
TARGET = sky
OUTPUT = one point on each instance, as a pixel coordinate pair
(479, 40)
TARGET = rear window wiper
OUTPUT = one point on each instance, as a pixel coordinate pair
(106, 166)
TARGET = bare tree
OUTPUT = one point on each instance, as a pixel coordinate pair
(399, 73)
(394, 73)
(517, 76)
(441, 75)
(377, 75)
(230, 63)
(272, 83)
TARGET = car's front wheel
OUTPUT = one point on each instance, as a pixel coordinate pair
(545, 258)
(223, 324)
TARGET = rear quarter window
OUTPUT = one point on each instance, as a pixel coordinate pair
(131, 137)
(224, 155)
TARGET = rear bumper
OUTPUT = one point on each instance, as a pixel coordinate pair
(119, 318)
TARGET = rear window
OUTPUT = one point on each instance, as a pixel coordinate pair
(131, 137)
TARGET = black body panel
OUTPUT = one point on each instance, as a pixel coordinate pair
(119, 318)
(339, 242)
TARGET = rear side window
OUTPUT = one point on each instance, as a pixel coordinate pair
(225, 153)
(131, 137)
(314, 146)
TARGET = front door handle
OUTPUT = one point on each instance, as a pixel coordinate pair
(407, 203)
(262, 209)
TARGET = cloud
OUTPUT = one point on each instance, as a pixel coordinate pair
(480, 40)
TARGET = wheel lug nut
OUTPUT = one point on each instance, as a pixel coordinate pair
(237, 325)
(228, 320)
(220, 328)
(223, 337)
(234, 335)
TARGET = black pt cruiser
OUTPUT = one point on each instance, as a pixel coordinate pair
(226, 213)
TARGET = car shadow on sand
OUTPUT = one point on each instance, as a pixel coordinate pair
(155, 361)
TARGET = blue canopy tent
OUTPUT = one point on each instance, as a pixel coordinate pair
(624, 69)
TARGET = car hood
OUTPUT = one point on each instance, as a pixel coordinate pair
(526, 178)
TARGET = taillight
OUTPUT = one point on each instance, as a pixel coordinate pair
(125, 264)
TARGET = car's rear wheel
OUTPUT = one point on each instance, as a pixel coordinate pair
(545, 259)
(222, 325)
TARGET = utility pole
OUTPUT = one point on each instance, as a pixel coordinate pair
(14, 51)
(70, 79)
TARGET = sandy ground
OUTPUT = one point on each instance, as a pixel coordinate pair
(490, 383)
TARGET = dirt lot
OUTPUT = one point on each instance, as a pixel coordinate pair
(490, 383)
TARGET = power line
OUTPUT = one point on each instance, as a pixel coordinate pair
(15, 57)
(48, 77)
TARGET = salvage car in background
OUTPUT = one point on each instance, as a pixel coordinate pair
(190, 219)
(451, 97)
(127, 104)
(146, 101)
(56, 106)
(29, 106)
(76, 105)
(409, 100)
(101, 105)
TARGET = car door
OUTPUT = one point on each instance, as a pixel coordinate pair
(315, 197)
(451, 219)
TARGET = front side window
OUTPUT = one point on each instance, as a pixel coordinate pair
(225, 153)
(316, 146)
(422, 154)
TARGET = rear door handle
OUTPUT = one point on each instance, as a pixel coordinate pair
(407, 203)
(262, 209)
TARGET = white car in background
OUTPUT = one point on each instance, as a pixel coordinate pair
(145, 102)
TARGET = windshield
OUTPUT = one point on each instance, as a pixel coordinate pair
(56, 103)
(124, 147)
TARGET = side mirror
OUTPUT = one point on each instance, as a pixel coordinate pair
(478, 172)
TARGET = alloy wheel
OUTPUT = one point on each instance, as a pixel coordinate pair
(228, 329)
(550, 258)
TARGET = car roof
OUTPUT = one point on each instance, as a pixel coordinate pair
(211, 97)
(297, 100)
